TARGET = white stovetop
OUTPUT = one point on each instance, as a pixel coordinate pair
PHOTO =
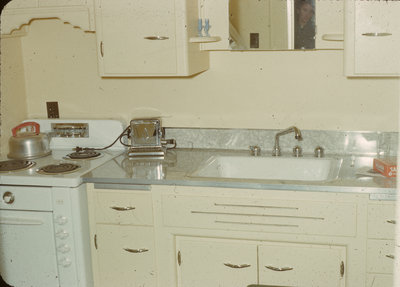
(32, 178)
(101, 134)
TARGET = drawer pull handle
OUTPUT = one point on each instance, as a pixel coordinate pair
(117, 208)
(255, 206)
(377, 34)
(156, 38)
(237, 266)
(279, 269)
(390, 256)
(142, 250)
(391, 221)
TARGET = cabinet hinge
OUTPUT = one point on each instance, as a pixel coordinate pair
(342, 269)
(179, 257)
(95, 241)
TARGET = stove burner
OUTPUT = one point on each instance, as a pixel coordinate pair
(58, 168)
(83, 154)
(15, 165)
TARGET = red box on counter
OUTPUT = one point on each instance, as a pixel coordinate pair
(386, 166)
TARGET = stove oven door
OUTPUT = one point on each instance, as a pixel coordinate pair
(27, 249)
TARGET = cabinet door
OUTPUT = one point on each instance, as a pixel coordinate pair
(377, 37)
(136, 37)
(126, 256)
(216, 263)
(283, 264)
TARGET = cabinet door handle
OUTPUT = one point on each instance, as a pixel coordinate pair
(127, 208)
(390, 256)
(341, 269)
(156, 38)
(237, 266)
(101, 49)
(278, 269)
(141, 250)
(376, 34)
(391, 221)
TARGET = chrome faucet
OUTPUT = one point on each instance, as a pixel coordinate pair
(297, 135)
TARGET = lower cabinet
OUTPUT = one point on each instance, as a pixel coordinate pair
(230, 263)
(125, 256)
(284, 264)
(216, 263)
(173, 236)
(381, 243)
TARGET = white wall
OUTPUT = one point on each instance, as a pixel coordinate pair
(13, 96)
(240, 90)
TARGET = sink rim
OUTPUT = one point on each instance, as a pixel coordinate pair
(333, 174)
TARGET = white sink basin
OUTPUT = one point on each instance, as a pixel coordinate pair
(270, 168)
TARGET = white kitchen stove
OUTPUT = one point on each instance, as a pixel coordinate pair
(44, 232)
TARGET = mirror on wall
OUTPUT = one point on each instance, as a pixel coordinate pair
(272, 24)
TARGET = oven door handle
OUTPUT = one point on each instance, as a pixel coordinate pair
(19, 221)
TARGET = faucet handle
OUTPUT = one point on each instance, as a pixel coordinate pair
(297, 151)
(255, 150)
(319, 151)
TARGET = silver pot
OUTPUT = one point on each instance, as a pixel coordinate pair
(28, 144)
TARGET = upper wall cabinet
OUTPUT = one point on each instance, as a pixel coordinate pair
(148, 38)
(372, 42)
(19, 12)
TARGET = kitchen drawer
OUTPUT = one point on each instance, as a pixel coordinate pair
(379, 280)
(380, 256)
(286, 264)
(124, 207)
(381, 221)
(267, 215)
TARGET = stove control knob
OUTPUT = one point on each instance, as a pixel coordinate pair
(64, 248)
(61, 220)
(65, 262)
(8, 197)
(62, 234)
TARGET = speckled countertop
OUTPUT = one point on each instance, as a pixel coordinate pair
(179, 164)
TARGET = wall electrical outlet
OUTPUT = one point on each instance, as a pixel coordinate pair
(52, 110)
(254, 40)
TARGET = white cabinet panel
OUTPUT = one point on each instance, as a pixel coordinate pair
(381, 221)
(125, 24)
(283, 264)
(122, 207)
(216, 263)
(380, 53)
(148, 38)
(126, 256)
(266, 215)
(380, 256)
(372, 38)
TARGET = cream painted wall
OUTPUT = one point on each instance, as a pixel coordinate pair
(13, 97)
(240, 90)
